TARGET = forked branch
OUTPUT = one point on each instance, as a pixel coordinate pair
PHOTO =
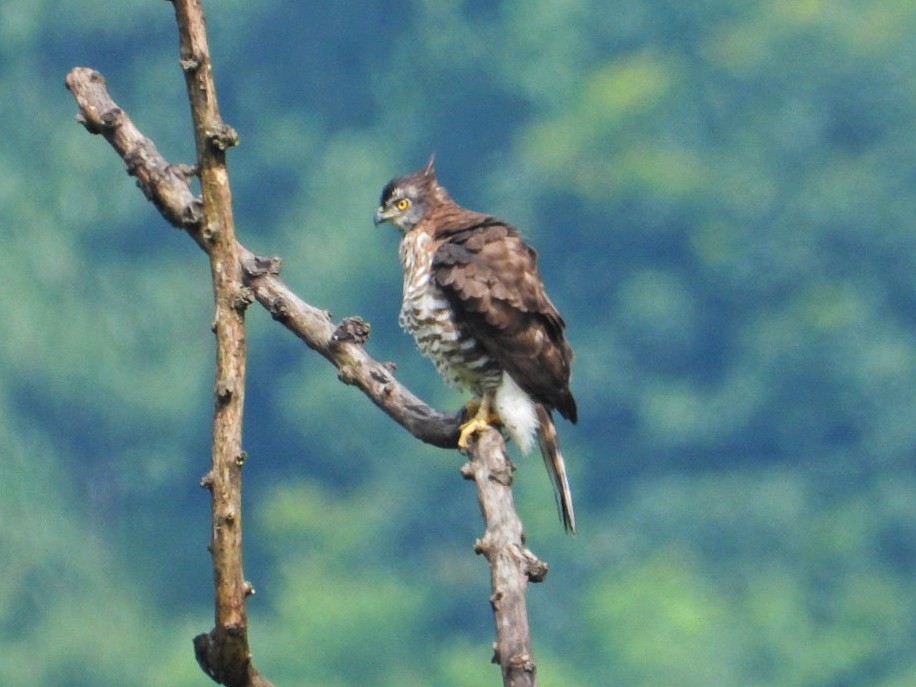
(167, 186)
(239, 276)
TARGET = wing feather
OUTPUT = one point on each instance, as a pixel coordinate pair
(492, 283)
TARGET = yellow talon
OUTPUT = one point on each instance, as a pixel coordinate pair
(482, 419)
(475, 424)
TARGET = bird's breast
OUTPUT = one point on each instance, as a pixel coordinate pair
(428, 316)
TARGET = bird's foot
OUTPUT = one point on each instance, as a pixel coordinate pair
(481, 420)
(475, 424)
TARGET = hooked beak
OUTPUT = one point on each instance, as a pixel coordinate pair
(381, 216)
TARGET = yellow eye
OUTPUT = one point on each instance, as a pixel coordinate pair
(402, 204)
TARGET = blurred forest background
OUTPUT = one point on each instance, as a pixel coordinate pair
(723, 194)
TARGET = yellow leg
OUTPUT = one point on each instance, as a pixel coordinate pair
(483, 419)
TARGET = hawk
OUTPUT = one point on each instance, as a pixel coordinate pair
(475, 303)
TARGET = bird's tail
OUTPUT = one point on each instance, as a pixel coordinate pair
(556, 467)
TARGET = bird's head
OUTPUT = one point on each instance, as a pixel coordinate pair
(405, 200)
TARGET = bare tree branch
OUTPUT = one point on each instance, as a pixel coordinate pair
(512, 565)
(168, 188)
(239, 276)
(342, 345)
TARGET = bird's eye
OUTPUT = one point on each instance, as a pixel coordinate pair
(402, 204)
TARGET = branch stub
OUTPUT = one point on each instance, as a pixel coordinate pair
(222, 137)
(352, 329)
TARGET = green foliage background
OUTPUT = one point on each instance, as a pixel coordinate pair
(723, 196)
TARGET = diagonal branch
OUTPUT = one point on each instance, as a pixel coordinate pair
(167, 186)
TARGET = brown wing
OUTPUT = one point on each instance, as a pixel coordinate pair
(491, 280)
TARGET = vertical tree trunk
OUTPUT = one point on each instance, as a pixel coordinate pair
(225, 652)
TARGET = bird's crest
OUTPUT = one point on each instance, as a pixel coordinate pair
(424, 178)
(430, 169)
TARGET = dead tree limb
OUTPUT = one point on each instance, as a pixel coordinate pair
(167, 187)
(512, 565)
(224, 652)
(240, 276)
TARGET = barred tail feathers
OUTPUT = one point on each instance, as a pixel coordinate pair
(556, 467)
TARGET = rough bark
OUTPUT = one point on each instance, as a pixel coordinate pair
(167, 187)
(512, 565)
(224, 653)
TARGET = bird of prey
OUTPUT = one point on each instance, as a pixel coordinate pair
(475, 303)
